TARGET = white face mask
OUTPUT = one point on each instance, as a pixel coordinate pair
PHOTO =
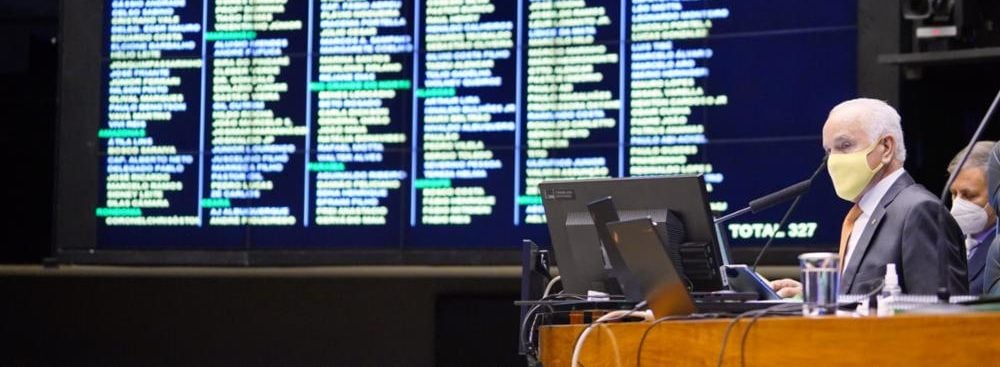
(971, 217)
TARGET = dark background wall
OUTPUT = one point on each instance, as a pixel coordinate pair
(28, 77)
(941, 111)
(244, 317)
(126, 316)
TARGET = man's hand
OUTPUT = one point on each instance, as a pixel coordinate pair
(786, 288)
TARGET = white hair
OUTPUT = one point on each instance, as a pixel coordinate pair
(877, 118)
(977, 159)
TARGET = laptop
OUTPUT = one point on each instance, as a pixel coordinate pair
(641, 250)
(665, 291)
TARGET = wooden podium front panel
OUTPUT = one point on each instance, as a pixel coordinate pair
(906, 340)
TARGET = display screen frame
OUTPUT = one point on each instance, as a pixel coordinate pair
(80, 98)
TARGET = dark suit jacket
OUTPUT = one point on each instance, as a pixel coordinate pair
(977, 263)
(912, 229)
(991, 270)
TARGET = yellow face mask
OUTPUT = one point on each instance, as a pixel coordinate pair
(850, 172)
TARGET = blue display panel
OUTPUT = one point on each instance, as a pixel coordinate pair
(427, 124)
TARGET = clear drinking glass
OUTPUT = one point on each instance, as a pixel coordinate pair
(820, 283)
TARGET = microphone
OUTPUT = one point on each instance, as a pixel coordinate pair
(968, 148)
(760, 204)
(764, 202)
(794, 191)
(943, 268)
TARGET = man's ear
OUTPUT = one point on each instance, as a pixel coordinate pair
(889, 143)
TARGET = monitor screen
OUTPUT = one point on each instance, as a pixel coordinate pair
(403, 126)
(578, 246)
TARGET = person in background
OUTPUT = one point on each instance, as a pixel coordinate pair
(991, 268)
(971, 208)
(893, 220)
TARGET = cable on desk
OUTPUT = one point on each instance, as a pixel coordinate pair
(578, 346)
(552, 283)
(736, 320)
(614, 344)
(696, 316)
(753, 320)
(528, 348)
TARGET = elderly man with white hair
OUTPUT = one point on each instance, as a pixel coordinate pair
(893, 220)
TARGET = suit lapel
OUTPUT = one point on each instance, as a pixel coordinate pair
(871, 227)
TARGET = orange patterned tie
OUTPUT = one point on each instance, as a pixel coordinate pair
(845, 232)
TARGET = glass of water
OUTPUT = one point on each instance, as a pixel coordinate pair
(820, 283)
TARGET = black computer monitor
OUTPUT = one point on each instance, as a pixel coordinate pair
(581, 258)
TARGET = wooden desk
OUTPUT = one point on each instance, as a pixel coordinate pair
(907, 340)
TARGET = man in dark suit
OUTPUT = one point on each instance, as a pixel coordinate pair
(893, 220)
(991, 270)
(972, 210)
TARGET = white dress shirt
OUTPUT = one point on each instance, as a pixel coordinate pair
(869, 201)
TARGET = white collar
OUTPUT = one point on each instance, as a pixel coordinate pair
(874, 195)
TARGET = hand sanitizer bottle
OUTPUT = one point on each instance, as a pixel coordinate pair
(890, 291)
